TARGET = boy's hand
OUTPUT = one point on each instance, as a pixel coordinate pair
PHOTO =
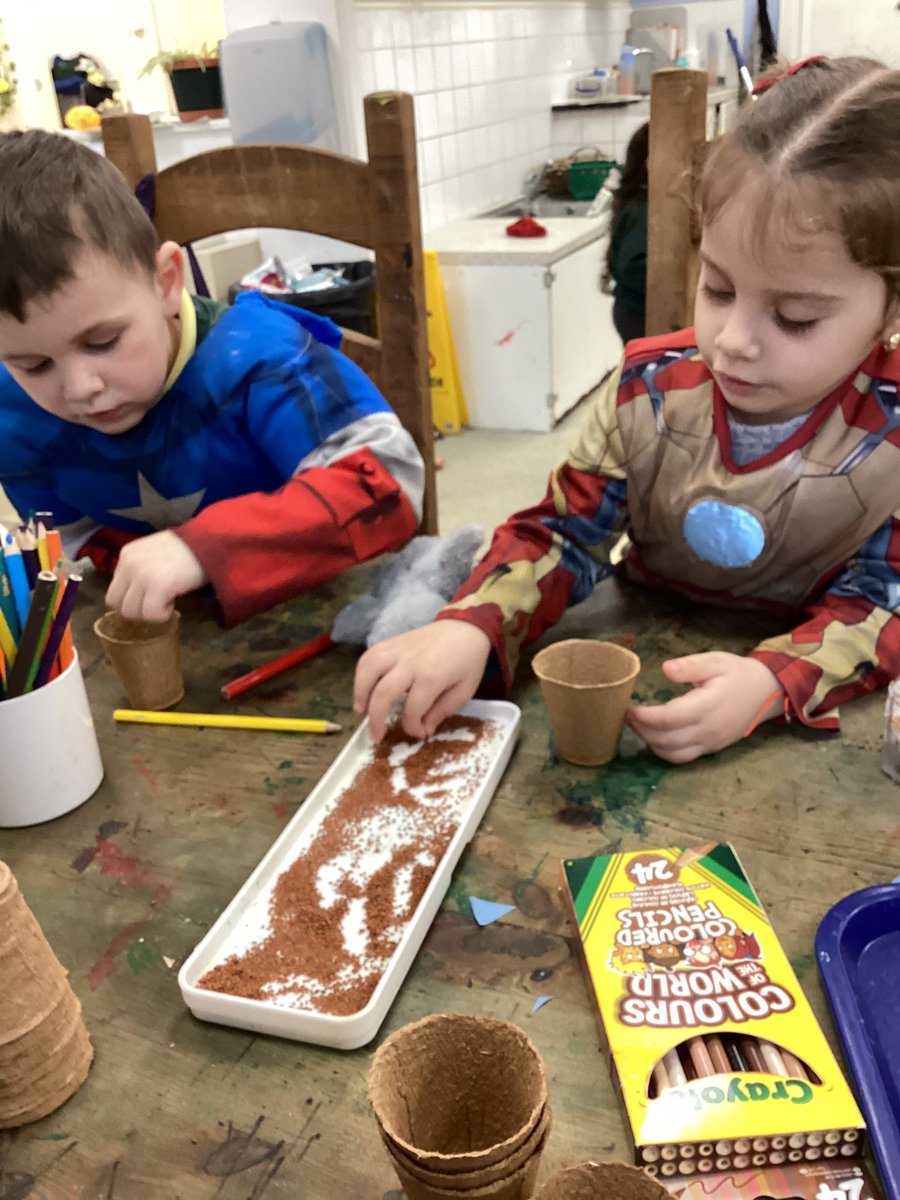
(729, 695)
(152, 572)
(438, 668)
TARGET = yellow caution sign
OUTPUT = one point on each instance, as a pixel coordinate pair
(448, 404)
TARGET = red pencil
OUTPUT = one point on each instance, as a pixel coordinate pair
(269, 670)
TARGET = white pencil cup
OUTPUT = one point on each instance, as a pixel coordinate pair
(50, 760)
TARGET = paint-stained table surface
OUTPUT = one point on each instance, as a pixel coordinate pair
(126, 886)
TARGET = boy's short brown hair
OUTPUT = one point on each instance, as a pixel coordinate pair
(58, 197)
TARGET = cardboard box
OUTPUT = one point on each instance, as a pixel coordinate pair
(719, 1060)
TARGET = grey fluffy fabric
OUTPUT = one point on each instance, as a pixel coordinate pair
(411, 588)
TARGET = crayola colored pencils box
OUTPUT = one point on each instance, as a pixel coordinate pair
(720, 1061)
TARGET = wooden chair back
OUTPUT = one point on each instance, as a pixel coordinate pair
(374, 204)
(677, 150)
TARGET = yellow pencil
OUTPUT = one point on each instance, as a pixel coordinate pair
(43, 554)
(7, 641)
(224, 721)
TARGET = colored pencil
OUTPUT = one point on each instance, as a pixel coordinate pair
(717, 1054)
(43, 554)
(33, 635)
(750, 1050)
(735, 1054)
(700, 1057)
(684, 1055)
(18, 578)
(771, 1057)
(7, 641)
(66, 648)
(28, 545)
(2, 677)
(66, 597)
(54, 547)
(669, 1072)
(692, 854)
(221, 721)
(277, 666)
(7, 600)
(674, 1069)
(793, 1066)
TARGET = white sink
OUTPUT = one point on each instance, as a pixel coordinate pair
(543, 206)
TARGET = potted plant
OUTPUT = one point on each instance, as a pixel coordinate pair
(195, 78)
(8, 82)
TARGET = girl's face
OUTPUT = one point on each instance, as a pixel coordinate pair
(780, 326)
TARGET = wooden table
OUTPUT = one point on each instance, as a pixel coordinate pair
(126, 886)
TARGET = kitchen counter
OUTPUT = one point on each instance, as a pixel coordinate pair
(715, 95)
(485, 242)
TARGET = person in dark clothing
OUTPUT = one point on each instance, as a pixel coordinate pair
(627, 257)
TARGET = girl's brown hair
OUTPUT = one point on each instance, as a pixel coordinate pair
(819, 151)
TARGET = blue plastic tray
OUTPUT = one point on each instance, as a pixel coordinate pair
(858, 950)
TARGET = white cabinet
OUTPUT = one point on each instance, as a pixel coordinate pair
(531, 337)
(584, 344)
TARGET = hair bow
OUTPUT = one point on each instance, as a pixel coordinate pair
(771, 80)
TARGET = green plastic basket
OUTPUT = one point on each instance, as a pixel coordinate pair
(587, 178)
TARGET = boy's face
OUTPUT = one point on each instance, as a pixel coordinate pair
(780, 328)
(97, 350)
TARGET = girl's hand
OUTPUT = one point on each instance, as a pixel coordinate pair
(729, 696)
(437, 668)
(151, 574)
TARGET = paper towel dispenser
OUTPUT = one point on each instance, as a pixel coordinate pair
(278, 85)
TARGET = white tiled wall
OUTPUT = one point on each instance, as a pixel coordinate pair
(608, 130)
(484, 79)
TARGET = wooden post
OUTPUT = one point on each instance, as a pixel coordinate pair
(677, 146)
(400, 277)
(128, 144)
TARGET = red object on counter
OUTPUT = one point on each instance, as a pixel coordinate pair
(526, 227)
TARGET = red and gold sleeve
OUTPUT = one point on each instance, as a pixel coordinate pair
(551, 555)
(850, 642)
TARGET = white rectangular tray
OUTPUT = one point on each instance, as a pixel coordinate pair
(230, 931)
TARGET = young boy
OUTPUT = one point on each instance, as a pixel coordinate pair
(176, 441)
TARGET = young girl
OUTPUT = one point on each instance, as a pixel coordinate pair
(755, 459)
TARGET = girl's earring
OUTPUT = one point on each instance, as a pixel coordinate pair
(892, 343)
